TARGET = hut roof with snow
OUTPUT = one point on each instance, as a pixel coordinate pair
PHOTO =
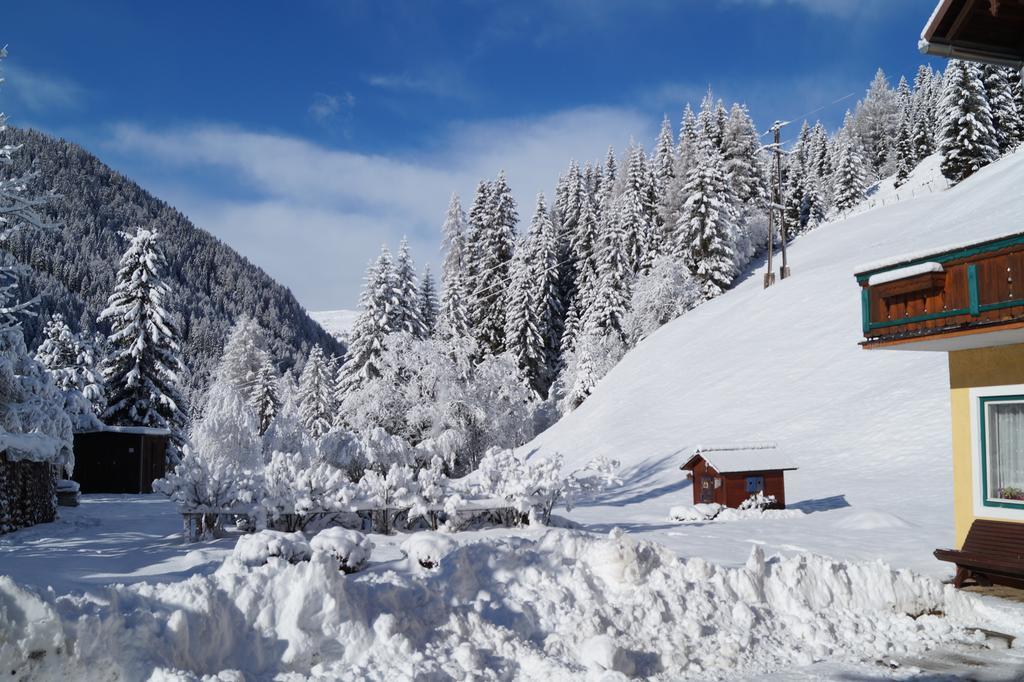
(729, 459)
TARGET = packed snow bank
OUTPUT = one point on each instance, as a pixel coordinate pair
(717, 513)
(557, 606)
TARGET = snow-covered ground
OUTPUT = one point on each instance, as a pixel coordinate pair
(638, 594)
(869, 429)
(337, 323)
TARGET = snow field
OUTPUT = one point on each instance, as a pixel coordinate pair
(565, 604)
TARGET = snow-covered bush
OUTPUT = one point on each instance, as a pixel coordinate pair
(351, 549)
(388, 492)
(298, 489)
(759, 501)
(660, 295)
(594, 356)
(432, 491)
(533, 487)
(258, 548)
(703, 511)
(344, 449)
(427, 549)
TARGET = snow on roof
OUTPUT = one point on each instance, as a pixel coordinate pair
(904, 273)
(919, 255)
(728, 459)
(34, 447)
(137, 430)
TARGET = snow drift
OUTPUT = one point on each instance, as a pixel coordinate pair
(559, 605)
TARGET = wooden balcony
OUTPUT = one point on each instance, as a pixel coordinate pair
(963, 297)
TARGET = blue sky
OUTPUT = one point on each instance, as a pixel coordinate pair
(305, 134)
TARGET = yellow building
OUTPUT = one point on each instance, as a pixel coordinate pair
(967, 301)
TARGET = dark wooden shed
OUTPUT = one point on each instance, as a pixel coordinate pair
(120, 459)
(730, 475)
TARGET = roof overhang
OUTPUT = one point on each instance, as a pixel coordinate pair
(989, 31)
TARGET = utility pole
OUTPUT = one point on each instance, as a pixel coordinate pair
(784, 270)
(776, 203)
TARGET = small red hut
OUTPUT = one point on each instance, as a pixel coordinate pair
(729, 475)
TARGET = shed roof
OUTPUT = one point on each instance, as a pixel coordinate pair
(134, 430)
(990, 31)
(732, 459)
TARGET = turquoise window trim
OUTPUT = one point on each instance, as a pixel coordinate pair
(972, 290)
(974, 307)
(983, 409)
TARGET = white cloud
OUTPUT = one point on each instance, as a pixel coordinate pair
(39, 92)
(839, 8)
(326, 107)
(438, 81)
(319, 214)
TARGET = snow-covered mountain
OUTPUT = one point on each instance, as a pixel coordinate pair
(337, 323)
(869, 429)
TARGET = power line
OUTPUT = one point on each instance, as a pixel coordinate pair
(809, 113)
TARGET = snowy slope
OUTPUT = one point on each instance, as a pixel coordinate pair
(337, 323)
(869, 429)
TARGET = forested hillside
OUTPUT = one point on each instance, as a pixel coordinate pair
(72, 268)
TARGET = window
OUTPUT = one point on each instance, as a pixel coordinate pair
(1002, 451)
(755, 484)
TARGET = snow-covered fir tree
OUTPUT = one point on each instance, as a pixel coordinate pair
(705, 232)
(848, 180)
(72, 362)
(454, 313)
(427, 302)
(316, 394)
(874, 124)
(533, 330)
(489, 248)
(264, 399)
(614, 275)
(904, 150)
(407, 308)
(144, 369)
(1006, 111)
(967, 138)
(742, 158)
(378, 317)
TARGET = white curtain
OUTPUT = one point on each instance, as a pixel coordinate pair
(1005, 426)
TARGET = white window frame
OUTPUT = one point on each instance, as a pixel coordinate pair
(993, 509)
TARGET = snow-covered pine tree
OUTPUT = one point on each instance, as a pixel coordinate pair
(967, 138)
(144, 369)
(72, 364)
(705, 232)
(875, 122)
(612, 290)
(742, 158)
(316, 394)
(244, 354)
(493, 242)
(454, 320)
(533, 325)
(407, 308)
(453, 236)
(848, 179)
(636, 213)
(428, 302)
(904, 150)
(264, 399)
(711, 119)
(377, 318)
(1006, 114)
(664, 158)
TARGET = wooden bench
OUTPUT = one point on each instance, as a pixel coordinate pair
(992, 553)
